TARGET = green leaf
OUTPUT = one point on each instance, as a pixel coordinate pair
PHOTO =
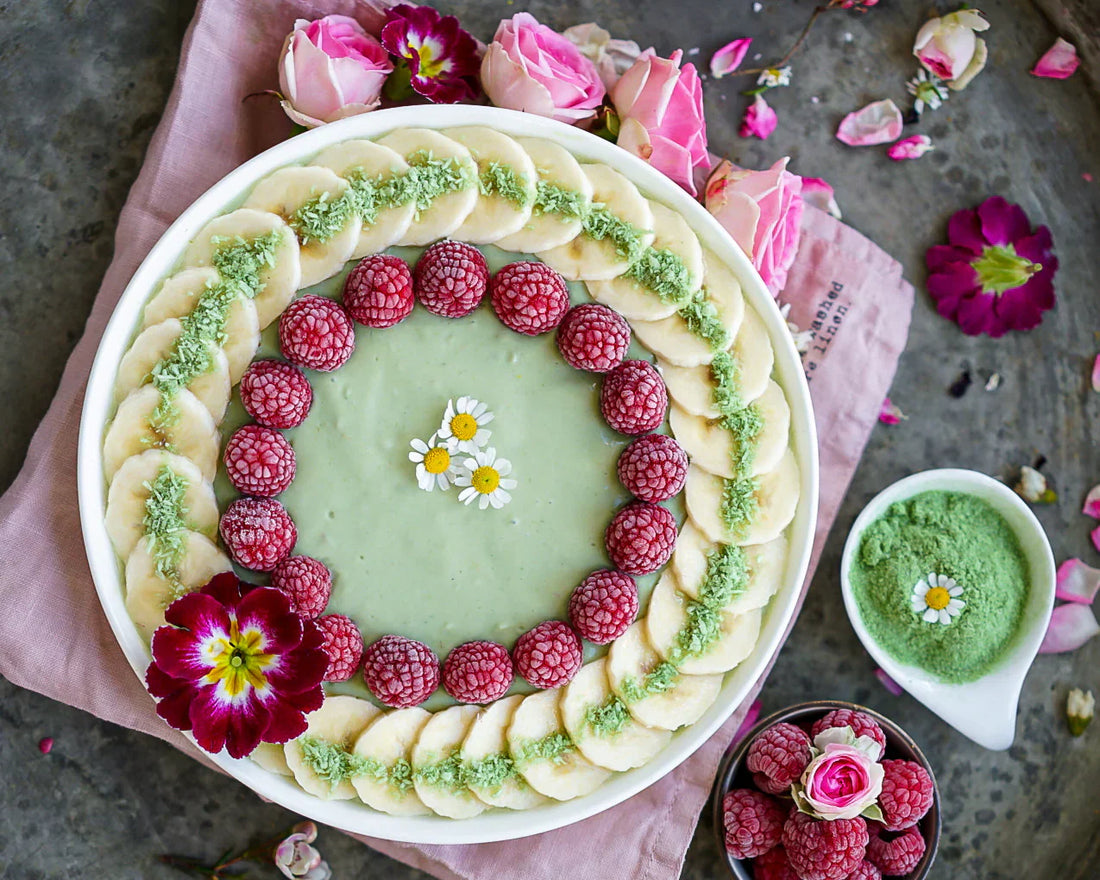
(398, 85)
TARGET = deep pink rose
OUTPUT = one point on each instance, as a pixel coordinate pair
(330, 68)
(841, 782)
(530, 67)
(660, 107)
(762, 212)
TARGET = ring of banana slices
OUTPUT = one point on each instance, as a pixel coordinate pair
(299, 225)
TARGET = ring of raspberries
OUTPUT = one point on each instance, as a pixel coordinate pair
(451, 279)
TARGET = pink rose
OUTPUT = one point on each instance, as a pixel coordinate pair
(762, 212)
(948, 47)
(611, 57)
(330, 68)
(840, 783)
(660, 109)
(530, 67)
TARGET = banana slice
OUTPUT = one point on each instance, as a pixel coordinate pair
(630, 745)
(495, 216)
(158, 343)
(148, 594)
(447, 212)
(178, 296)
(373, 162)
(671, 339)
(753, 352)
(558, 170)
(280, 280)
(436, 761)
(590, 259)
(338, 722)
(723, 292)
(485, 749)
(387, 742)
(563, 774)
(765, 564)
(192, 433)
(130, 489)
(771, 442)
(289, 191)
(690, 387)
(271, 757)
(682, 702)
(689, 559)
(776, 498)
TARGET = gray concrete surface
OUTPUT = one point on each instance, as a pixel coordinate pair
(81, 88)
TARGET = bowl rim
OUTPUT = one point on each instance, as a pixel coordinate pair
(105, 568)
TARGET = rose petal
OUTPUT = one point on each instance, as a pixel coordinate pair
(729, 57)
(1058, 62)
(759, 120)
(890, 414)
(877, 123)
(1077, 582)
(1096, 374)
(910, 148)
(1071, 625)
(887, 682)
(818, 193)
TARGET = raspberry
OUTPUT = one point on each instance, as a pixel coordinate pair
(258, 532)
(634, 398)
(594, 338)
(753, 822)
(896, 854)
(343, 644)
(604, 605)
(400, 672)
(548, 655)
(259, 461)
(316, 332)
(451, 278)
(307, 582)
(653, 468)
(906, 796)
(641, 538)
(773, 865)
(780, 753)
(865, 871)
(379, 291)
(276, 394)
(765, 784)
(478, 672)
(821, 850)
(529, 298)
(861, 723)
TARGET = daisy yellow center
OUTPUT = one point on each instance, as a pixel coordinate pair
(937, 598)
(239, 661)
(437, 460)
(485, 479)
(464, 426)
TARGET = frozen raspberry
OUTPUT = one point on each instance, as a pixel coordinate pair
(451, 278)
(259, 461)
(307, 582)
(780, 753)
(593, 337)
(765, 784)
(343, 644)
(529, 298)
(316, 332)
(773, 865)
(548, 655)
(753, 822)
(400, 672)
(865, 871)
(824, 850)
(896, 854)
(653, 468)
(861, 723)
(641, 538)
(276, 394)
(634, 398)
(478, 672)
(258, 532)
(379, 291)
(906, 794)
(604, 605)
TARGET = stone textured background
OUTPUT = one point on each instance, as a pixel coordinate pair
(83, 86)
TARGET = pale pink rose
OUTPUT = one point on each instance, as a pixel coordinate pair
(759, 121)
(1058, 62)
(660, 108)
(762, 212)
(841, 782)
(611, 57)
(877, 123)
(530, 67)
(910, 148)
(331, 68)
(946, 46)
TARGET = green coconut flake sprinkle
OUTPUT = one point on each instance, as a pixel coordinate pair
(553, 199)
(400, 775)
(700, 632)
(165, 521)
(334, 763)
(240, 261)
(426, 180)
(450, 773)
(701, 318)
(490, 772)
(600, 224)
(321, 217)
(659, 679)
(363, 193)
(607, 718)
(742, 420)
(726, 577)
(739, 504)
(664, 273)
(503, 181)
(552, 747)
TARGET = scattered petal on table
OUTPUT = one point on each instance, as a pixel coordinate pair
(1092, 503)
(887, 682)
(45, 744)
(910, 148)
(748, 722)
(889, 414)
(1095, 364)
(1071, 625)
(729, 57)
(1077, 582)
(877, 123)
(1058, 62)
(818, 193)
(760, 120)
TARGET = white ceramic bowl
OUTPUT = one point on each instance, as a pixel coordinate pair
(105, 567)
(985, 709)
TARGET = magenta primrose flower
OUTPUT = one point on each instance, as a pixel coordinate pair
(236, 666)
(442, 58)
(996, 273)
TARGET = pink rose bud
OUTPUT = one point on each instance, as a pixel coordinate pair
(760, 119)
(841, 782)
(331, 68)
(910, 148)
(947, 46)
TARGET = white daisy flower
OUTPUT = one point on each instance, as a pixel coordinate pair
(484, 478)
(774, 76)
(936, 598)
(928, 91)
(464, 424)
(435, 463)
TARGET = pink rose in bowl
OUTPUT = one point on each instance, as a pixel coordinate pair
(660, 107)
(330, 68)
(530, 67)
(842, 782)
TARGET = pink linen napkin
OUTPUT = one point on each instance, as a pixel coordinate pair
(844, 287)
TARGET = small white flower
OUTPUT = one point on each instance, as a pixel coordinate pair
(928, 91)
(464, 424)
(774, 76)
(484, 478)
(936, 598)
(802, 338)
(435, 463)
